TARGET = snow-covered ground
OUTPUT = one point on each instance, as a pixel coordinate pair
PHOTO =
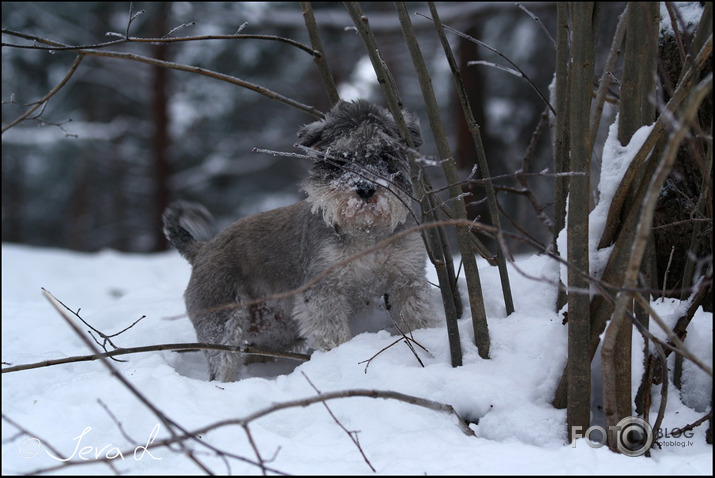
(80, 410)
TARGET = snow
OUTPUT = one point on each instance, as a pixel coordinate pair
(612, 171)
(79, 410)
(616, 159)
(362, 81)
(690, 14)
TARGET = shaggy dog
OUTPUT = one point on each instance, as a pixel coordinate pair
(358, 194)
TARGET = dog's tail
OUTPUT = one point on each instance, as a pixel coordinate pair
(185, 221)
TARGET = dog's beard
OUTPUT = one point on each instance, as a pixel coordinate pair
(341, 206)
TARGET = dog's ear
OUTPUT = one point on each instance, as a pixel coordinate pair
(311, 134)
(413, 124)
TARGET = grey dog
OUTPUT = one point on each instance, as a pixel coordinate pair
(358, 194)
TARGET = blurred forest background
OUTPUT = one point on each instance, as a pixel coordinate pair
(95, 167)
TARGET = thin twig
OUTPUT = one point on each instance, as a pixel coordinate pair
(520, 174)
(351, 434)
(324, 397)
(409, 340)
(482, 162)
(49, 95)
(120, 427)
(697, 422)
(321, 62)
(185, 347)
(107, 338)
(175, 66)
(132, 17)
(663, 387)
(667, 271)
(471, 271)
(674, 342)
(299, 403)
(404, 338)
(168, 423)
(210, 73)
(538, 22)
(675, 22)
(56, 46)
(252, 442)
(493, 50)
(613, 55)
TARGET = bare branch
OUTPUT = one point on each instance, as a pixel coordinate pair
(674, 343)
(641, 239)
(56, 46)
(482, 162)
(83, 51)
(408, 340)
(538, 22)
(613, 55)
(299, 403)
(521, 177)
(159, 414)
(325, 76)
(210, 73)
(506, 69)
(185, 347)
(132, 16)
(437, 248)
(351, 434)
(471, 271)
(667, 271)
(49, 95)
(493, 50)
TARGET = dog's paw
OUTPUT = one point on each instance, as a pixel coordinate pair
(329, 341)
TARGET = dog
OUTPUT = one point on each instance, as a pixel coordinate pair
(359, 193)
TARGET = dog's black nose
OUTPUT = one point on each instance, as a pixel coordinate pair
(365, 190)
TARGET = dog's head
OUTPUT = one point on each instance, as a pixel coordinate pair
(360, 179)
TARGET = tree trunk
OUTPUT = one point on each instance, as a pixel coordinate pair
(636, 109)
(471, 271)
(160, 117)
(578, 408)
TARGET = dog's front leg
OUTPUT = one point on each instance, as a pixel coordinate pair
(322, 317)
(411, 306)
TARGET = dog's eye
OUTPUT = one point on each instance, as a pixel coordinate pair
(337, 162)
(392, 167)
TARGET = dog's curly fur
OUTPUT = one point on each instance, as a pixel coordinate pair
(358, 193)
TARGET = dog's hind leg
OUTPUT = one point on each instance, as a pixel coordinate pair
(222, 328)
